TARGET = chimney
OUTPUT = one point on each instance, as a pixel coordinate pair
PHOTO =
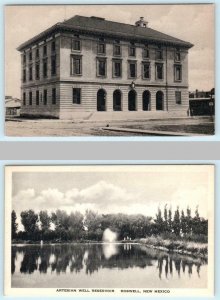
(141, 22)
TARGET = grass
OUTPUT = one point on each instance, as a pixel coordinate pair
(180, 246)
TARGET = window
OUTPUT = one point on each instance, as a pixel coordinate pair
(37, 71)
(132, 51)
(45, 97)
(177, 55)
(178, 97)
(101, 48)
(146, 71)
(24, 59)
(24, 99)
(53, 46)
(37, 53)
(159, 71)
(101, 67)
(30, 98)
(53, 65)
(159, 54)
(117, 68)
(54, 97)
(30, 55)
(30, 73)
(76, 95)
(132, 70)
(177, 72)
(45, 50)
(45, 67)
(76, 65)
(37, 98)
(76, 44)
(146, 52)
(116, 49)
(24, 75)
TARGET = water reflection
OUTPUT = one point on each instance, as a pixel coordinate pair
(90, 258)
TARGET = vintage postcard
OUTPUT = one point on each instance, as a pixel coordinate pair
(109, 70)
(128, 230)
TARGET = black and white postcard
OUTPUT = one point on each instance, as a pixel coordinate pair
(138, 230)
(109, 70)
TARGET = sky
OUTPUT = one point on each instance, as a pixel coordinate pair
(113, 190)
(192, 23)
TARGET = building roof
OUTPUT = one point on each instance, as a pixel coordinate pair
(13, 103)
(101, 27)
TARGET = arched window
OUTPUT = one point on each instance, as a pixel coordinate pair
(101, 100)
(159, 101)
(117, 100)
(146, 100)
(132, 100)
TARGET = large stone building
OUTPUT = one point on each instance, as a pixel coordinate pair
(89, 64)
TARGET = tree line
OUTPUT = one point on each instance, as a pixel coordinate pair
(60, 226)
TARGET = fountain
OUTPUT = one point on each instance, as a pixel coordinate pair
(109, 247)
(109, 236)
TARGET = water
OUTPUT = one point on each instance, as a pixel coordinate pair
(104, 266)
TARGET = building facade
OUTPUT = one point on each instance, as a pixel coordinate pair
(88, 64)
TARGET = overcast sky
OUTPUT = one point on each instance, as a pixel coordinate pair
(105, 190)
(192, 23)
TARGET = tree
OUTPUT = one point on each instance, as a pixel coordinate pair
(176, 222)
(183, 222)
(166, 229)
(159, 222)
(76, 225)
(188, 221)
(14, 225)
(170, 221)
(45, 221)
(30, 222)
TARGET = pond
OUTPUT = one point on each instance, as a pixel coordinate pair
(113, 265)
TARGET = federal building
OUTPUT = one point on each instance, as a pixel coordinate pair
(89, 65)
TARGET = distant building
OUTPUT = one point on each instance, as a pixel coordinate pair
(12, 106)
(202, 103)
(89, 64)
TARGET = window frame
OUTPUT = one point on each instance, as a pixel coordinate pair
(37, 53)
(37, 98)
(177, 51)
(72, 57)
(24, 75)
(178, 100)
(30, 72)
(45, 97)
(115, 45)
(24, 99)
(175, 73)
(129, 51)
(72, 44)
(144, 63)
(104, 47)
(160, 56)
(30, 103)
(53, 60)
(114, 61)
(77, 101)
(53, 46)
(156, 73)
(98, 60)
(54, 96)
(30, 55)
(147, 57)
(129, 73)
(45, 70)
(44, 51)
(37, 73)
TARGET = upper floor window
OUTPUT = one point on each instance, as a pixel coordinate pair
(146, 71)
(24, 75)
(76, 65)
(177, 55)
(76, 44)
(37, 53)
(132, 70)
(117, 49)
(53, 46)
(76, 95)
(53, 65)
(117, 68)
(24, 59)
(30, 55)
(24, 98)
(132, 51)
(178, 97)
(30, 73)
(45, 67)
(159, 54)
(45, 50)
(177, 72)
(146, 53)
(54, 97)
(101, 67)
(37, 71)
(159, 71)
(101, 48)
